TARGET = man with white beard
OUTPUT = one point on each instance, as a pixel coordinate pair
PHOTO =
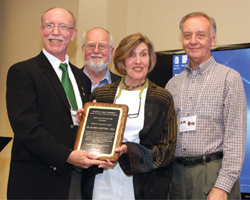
(97, 46)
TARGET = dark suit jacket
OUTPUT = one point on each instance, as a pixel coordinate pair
(114, 77)
(150, 162)
(44, 134)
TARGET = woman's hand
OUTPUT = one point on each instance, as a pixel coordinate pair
(122, 149)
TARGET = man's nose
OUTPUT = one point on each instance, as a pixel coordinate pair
(193, 39)
(56, 30)
(96, 49)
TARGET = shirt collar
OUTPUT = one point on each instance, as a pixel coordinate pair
(54, 61)
(203, 67)
(107, 75)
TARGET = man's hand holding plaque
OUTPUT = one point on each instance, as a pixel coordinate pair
(101, 130)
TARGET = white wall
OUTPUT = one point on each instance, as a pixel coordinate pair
(159, 20)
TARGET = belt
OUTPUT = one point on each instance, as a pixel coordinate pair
(187, 161)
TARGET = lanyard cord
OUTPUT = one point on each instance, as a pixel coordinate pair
(120, 88)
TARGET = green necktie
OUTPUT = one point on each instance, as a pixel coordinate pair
(67, 85)
(68, 88)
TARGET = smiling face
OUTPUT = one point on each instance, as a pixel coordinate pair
(137, 65)
(96, 59)
(55, 41)
(197, 40)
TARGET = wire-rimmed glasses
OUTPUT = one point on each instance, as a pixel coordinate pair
(61, 27)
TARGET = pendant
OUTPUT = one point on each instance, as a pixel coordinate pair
(129, 88)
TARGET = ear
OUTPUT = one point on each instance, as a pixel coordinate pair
(74, 33)
(112, 50)
(213, 40)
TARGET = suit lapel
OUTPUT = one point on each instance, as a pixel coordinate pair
(82, 88)
(52, 76)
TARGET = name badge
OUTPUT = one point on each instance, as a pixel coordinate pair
(188, 124)
(73, 115)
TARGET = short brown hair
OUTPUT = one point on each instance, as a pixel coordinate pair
(127, 47)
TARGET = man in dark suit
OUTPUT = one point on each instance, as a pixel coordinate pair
(97, 47)
(42, 117)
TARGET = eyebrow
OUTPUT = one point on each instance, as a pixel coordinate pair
(144, 50)
(90, 42)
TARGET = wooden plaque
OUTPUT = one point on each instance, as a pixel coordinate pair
(101, 129)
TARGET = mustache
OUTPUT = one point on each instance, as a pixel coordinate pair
(95, 55)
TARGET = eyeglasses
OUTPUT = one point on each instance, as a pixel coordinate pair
(101, 46)
(119, 93)
(61, 27)
(135, 115)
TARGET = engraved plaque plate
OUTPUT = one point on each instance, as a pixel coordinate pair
(101, 129)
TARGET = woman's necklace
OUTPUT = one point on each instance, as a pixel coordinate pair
(129, 88)
(120, 88)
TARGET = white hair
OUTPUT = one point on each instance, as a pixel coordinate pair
(85, 33)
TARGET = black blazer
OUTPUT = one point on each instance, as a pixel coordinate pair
(151, 161)
(44, 134)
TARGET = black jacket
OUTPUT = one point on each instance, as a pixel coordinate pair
(150, 162)
(44, 134)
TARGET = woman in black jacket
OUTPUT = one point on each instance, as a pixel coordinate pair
(144, 169)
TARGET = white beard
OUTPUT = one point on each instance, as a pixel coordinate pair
(97, 67)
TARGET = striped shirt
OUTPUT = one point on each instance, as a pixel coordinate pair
(215, 94)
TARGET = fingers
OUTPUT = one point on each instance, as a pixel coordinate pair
(80, 111)
(118, 149)
(94, 101)
(87, 163)
(107, 164)
(91, 156)
(102, 164)
(85, 159)
(122, 149)
(79, 115)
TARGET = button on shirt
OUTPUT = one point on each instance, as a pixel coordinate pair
(215, 94)
(105, 80)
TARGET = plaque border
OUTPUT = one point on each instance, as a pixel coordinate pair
(113, 157)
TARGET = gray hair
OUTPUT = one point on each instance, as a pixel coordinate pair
(85, 33)
(199, 14)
